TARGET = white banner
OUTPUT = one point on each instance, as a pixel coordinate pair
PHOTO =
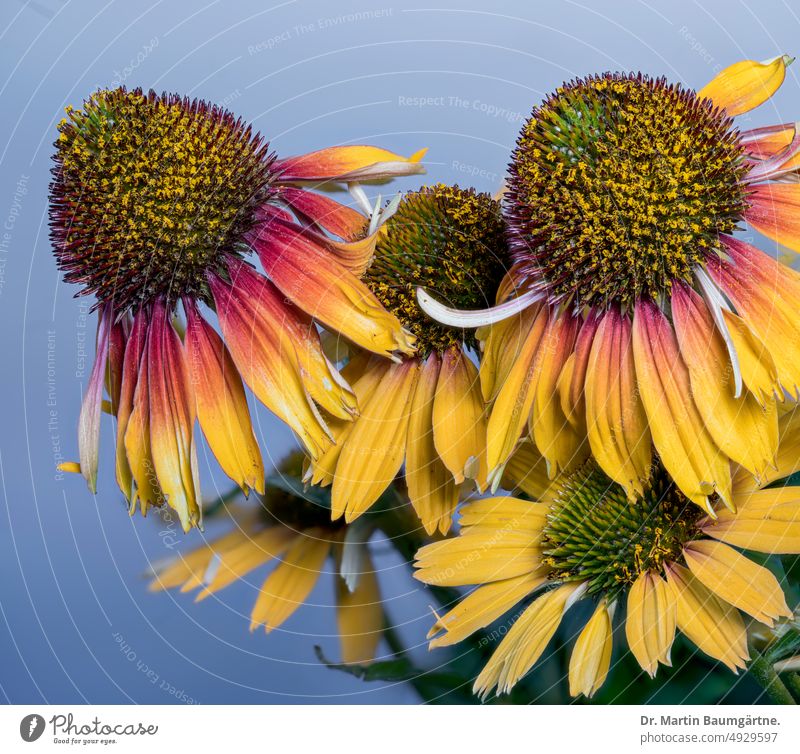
(334, 729)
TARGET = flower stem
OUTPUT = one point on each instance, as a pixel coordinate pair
(792, 682)
(766, 677)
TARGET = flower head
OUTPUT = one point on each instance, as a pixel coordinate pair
(659, 558)
(294, 532)
(157, 205)
(633, 319)
(426, 409)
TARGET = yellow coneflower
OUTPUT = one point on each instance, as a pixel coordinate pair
(426, 408)
(669, 564)
(157, 202)
(297, 535)
(638, 318)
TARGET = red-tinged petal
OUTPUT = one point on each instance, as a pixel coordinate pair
(137, 433)
(775, 211)
(309, 276)
(91, 409)
(573, 378)
(347, 164)
(221, 404)
(765, 294)
(172, 415)
(686, 448)
(327, 213)
(116, 358)
(131, 370)
(257, 327)
(763, 143)
(740, 427)
(615, 416)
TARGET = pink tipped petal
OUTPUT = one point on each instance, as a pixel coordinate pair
(773, 167)
(91, 409)
(346, 164)
(325, 212)
(172, 416)
(116, 358)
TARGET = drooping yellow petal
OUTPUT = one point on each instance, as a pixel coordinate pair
(481, 607)
(287, 587)
(687, 450)
(431, 487)
(459, 419)
(526, 470)
(249, 553)
(514, 401)
(758, 367)
(375, 448)
(591, 657)
(737, 580)
(650, 623)
(765, 521)
(745, 85)
(359, 616)
(524, 643)
(615, 417)
(743, 430)
(716, 627)
(504, 515)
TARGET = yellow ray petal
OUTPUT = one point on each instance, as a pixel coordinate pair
(714, 626)
(650, 623)
(359, 616)
(526, 470)
(524, 643)
(615, 417)
(745, 85)
(765, 521)
(737, 580)
(687, 450)
(287, 587)
(481, 607)
(459, 420)
(504, 515)
(591, 657)
(431, 487)
(374, 451)
(743, 430)
(758, 367)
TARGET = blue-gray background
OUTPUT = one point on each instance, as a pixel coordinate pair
(459, 78)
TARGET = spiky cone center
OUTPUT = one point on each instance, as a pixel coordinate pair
(595, 533)
(281, 507)
(151, 192)
(619, 185)
(445, 239)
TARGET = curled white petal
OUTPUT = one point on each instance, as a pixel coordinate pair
(477, 317)
(354, 554)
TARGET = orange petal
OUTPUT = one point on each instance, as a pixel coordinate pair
(309, 275)
(775, 211)
(746, 84)
(615, 417)
(374, 451)
(172, 416)
(257, 327)
(431, 487)
(348, 164)
(572, 381)
(459, 421)
(686, 448)
(221, 404)
(742, 429)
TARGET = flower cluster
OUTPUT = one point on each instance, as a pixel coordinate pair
(599, 341)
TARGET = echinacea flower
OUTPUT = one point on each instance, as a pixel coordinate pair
(632, 313)
(426, 408)
(668, 564)
(156, 203)
(296, 535)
